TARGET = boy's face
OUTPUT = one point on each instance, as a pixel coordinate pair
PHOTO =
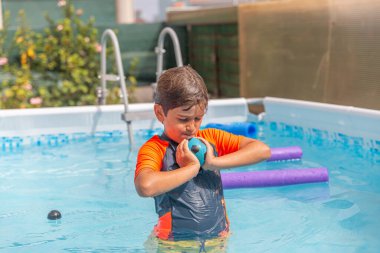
(181, 122)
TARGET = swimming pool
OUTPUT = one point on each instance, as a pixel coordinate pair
(86, 172)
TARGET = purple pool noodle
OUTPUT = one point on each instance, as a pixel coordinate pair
(285, 153)
(268, 178)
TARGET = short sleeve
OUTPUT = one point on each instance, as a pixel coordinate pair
(150, 155)
(224, 142)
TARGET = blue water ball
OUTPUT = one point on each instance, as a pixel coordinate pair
(199, 149)
(54, 215)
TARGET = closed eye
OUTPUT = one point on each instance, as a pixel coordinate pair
(196, 119)
(183, 119)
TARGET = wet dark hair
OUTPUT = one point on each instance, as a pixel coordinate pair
(180, 86)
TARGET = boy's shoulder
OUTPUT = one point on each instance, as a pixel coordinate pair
(155, 142)
(223, 141)
(209, 133)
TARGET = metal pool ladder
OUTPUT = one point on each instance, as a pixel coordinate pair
(104, 77)
(159, 50)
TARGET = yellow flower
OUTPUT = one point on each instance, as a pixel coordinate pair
(19, 40)
(132, 79)
(8, 93)
(30, 52)
(24, 59)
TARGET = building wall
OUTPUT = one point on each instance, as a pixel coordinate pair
(318, 50)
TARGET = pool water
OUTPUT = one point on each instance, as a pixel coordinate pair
(89, 179)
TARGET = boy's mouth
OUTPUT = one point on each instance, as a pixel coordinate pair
(188, 136)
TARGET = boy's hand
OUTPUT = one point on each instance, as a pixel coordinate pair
(210, 157)
(184, 156)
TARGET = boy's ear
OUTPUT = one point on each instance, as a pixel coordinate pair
(159, 111)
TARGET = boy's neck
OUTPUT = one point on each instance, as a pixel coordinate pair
(167, 138)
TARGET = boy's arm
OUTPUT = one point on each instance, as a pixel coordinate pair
(250, 151)
(150, 183)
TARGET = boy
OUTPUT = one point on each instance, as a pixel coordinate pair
(189, 198)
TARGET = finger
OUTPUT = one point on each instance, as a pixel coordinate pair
(208, 145)
(203, 140)
(186, 145)
(180, 146)
(209, 154)
(180, 149)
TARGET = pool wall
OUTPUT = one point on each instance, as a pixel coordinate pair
(352, 121)
(91, 119)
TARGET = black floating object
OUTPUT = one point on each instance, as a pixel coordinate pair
(54, 215)
(195, 148)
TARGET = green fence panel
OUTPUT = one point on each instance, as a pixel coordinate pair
(35, 10)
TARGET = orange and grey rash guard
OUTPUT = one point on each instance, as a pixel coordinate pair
(195, 209)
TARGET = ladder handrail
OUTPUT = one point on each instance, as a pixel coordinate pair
(121, 78)
(160, 49)
(119, 64)
(104, 77)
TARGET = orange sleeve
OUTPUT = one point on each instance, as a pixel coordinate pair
(150, 155)
(223, 141)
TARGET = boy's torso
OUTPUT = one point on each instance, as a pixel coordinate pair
(196, 209)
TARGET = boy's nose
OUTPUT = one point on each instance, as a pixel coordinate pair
(190, 127)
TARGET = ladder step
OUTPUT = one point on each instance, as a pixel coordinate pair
(112, 78)
(141, 115)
